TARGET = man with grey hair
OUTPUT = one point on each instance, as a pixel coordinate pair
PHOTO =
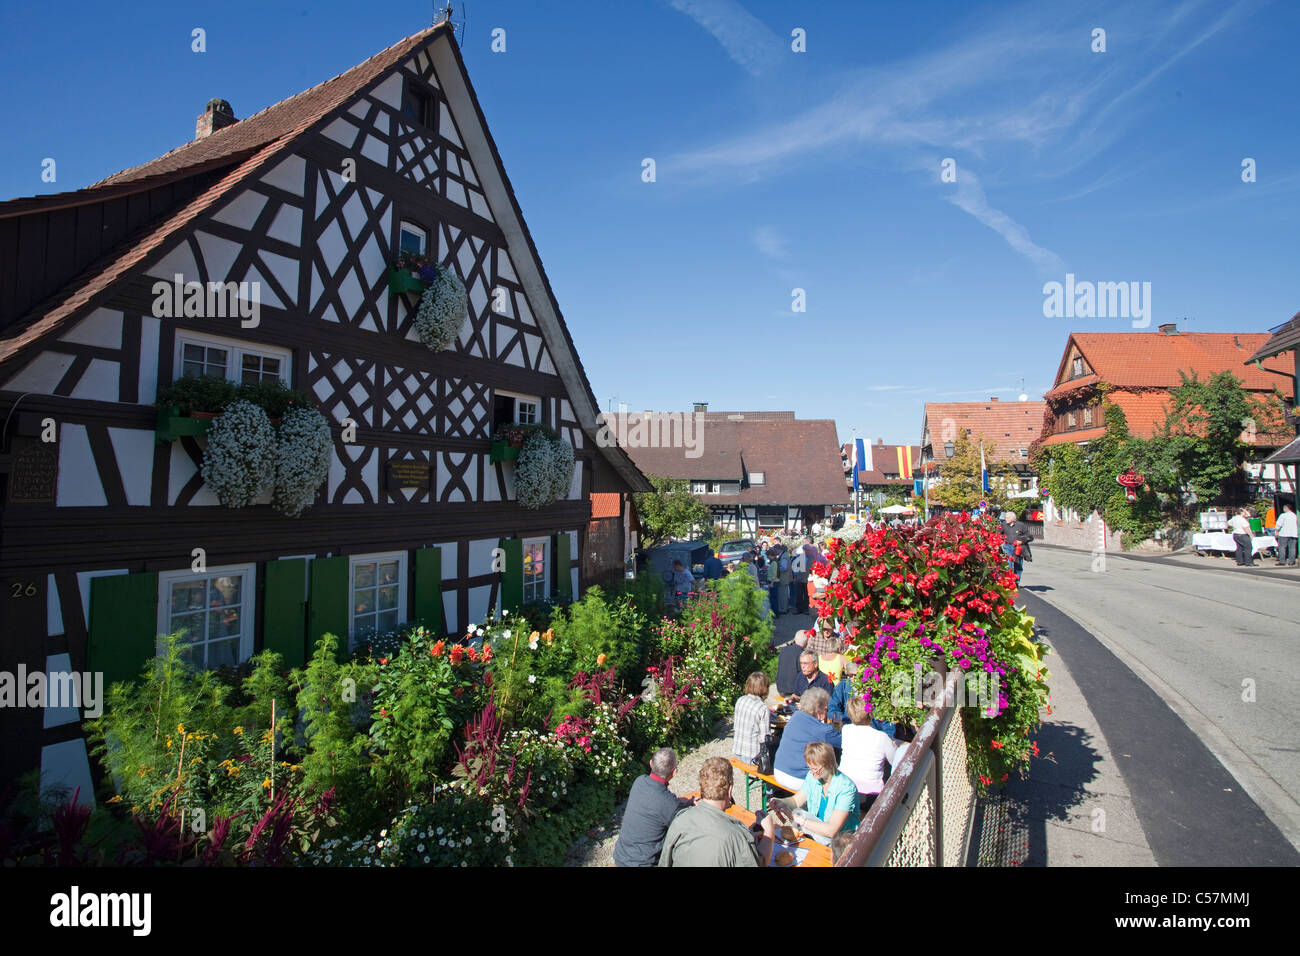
(651, 807)
(807, 726)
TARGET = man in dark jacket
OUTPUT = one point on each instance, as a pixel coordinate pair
(651, 807)
(787, 664)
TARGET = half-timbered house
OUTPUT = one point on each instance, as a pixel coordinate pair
(109, 536)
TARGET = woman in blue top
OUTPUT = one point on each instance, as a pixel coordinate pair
(830, 797)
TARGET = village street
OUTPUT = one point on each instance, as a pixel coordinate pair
(1178, 664)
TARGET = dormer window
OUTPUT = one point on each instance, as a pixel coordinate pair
(417, 105)
(1076, 370)
(1087, 416)
(412, 238)
(511, 409)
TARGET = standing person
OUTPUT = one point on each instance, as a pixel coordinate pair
(683, 582)
(1286, 536)
(747, 562)
(1239, 524)
(785, 593)
(1016, 538)
(705, 835)
(752, 720)
(713, 567)
(651, 808)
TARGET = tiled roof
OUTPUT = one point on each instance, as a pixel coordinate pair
(1009, 426)
(606, 504)
(1155, 359)
(1284, 337)
(254, 140)
(799, 459)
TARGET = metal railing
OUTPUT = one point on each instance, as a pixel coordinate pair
(925, 813)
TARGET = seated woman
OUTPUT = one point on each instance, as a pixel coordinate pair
(866, 752)
(807, 726)
(826, 802)
(753, 719)
(832, 662)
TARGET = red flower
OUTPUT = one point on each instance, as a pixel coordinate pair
(487, 654)
(436, 650)
(996, 745)
(383, 661)
(457, 654)
(473, 655)
(458, 692)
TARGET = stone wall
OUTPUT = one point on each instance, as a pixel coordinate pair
(1085, 536)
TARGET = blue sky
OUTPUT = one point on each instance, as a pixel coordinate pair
(778, 170)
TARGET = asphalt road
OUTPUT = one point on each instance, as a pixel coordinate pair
(1193, 675)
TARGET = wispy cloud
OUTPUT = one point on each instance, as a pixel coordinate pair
(745, 38)
(968, 195)
(771, 243)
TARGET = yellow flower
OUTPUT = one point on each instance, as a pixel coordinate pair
(266, 784)
(116, 799)
(238, 730)
(296, 766)
(180, 728)
(169, 743)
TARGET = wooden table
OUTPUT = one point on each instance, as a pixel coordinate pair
(818, 854)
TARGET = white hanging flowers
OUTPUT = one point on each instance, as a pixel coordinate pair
(239, 464)
(442, 311)
(303, 460)
(543, 471)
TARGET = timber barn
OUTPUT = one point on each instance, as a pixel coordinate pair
(309, 203)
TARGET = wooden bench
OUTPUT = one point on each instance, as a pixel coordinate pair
(752, 777)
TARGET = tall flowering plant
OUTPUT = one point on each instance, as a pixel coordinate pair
(941, 594)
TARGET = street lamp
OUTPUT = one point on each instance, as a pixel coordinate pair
(948, 448)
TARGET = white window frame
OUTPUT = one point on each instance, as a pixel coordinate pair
(699, 487)
(757, 478)
(519, 397)
(247, 604)
(416, 228)
(547, 557)
(1087, 415)
(715, 487)
(1076, 367)
(376, 558)
(235, 349)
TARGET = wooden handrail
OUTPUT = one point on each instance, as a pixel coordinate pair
(890, 812)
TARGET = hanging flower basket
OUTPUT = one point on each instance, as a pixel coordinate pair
(443, 304)
(503, 451)
(544, 470)
(303, 449)
(239, 463)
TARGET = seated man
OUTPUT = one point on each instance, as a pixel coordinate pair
(651, 807)
(805, 727)
(787, 664)
(810, 675)
(705, 835)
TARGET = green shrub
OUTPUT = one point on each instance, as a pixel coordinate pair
(211, 393)
(604, 633)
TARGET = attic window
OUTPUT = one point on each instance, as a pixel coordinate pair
(1076, 370)
(412, 238)
(1087, 416)
(756, 478)
(417, 105)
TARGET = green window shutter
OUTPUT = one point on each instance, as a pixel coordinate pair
(563, 575)
(327, 603)
(512, 577)
(123, 625)
(428, 588)
(285, 620)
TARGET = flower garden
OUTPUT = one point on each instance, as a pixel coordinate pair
(503, 745)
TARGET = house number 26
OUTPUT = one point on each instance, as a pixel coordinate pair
(21, 590)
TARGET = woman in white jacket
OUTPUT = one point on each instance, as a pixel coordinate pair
(866, 752)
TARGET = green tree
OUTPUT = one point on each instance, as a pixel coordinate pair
(1082, 479)
(1203, 430)
(670, 511)
(959, 484)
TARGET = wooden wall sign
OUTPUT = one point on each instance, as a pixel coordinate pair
(35, 477)
(408, 473)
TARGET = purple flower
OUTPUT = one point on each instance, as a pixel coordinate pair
(428, 273)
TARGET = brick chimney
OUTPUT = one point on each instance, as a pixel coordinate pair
(993, 399)
(701, 406)
(217, 116)
(1169, 328)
